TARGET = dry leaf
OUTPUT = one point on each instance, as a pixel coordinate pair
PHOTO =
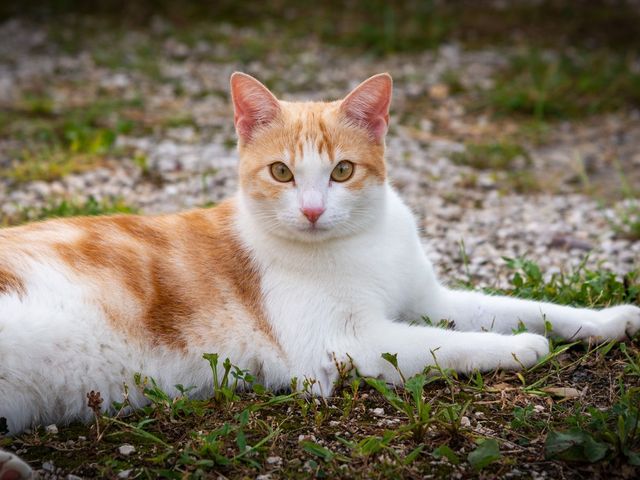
(563, 392)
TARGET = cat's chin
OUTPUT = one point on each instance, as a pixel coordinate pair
(309, 233)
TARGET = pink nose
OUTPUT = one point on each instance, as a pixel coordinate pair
(312, 213)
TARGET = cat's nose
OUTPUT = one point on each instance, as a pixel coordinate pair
(312, 213)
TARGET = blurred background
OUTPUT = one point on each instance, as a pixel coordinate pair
(515, 124)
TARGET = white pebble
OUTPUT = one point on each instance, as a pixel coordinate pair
(126, 449)
(51, 429)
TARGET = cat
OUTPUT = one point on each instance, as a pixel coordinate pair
(315, 260)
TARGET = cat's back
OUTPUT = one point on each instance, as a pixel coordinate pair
(163, 278)
(86, 303)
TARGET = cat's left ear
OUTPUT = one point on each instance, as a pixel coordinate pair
(254, 105)
(368, 105)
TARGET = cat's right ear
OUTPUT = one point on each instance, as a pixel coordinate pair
(254, 105)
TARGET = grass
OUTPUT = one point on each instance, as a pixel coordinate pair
(377, 26)
(56, 143)
(67, 208)
(626, 219)
(574, 414)
(569, 84)
(501, 155)
(510, 161)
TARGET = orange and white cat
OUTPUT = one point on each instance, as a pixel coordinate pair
(316, 258)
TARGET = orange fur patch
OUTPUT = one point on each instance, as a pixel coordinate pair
(10, 282)
(320, 124)
(176, 280)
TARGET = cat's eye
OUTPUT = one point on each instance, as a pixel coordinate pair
(281, 172)
(343, 171)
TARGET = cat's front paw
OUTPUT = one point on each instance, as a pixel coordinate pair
(526, 350)
(617, 323)
(12, 468)
(509, 352)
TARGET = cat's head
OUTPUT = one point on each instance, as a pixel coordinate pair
(312, 170)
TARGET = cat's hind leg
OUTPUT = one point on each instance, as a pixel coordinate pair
(12, 468)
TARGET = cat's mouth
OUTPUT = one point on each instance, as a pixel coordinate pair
(311, 231)
(314, 227)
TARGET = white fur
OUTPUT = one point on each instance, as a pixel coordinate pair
(357, 296)
(10, 464)
(349, 291)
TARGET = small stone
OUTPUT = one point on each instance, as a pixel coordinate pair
(48, 467)
(126, 449)
(51, 429)
(124, 474)
(465, 422)
(378, 412)
(73, 477)
(265, 476)
(274, 460)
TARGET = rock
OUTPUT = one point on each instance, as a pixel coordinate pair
(126, 449)
(51, 429)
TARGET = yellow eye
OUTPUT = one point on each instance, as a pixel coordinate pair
(281, 172)
(343, 171)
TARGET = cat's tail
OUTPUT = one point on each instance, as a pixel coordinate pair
(13, 468)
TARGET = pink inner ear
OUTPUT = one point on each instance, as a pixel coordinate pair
(368, 105)
(254, 105)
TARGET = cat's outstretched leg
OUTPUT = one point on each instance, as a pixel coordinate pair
(12, 468)
(477, 311)
(417, 347)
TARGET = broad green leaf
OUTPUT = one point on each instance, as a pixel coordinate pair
(410, 458)
(487, 452)
(446, 452)
(574, 445)
(392, 358)
(634, 458)
(415, 385)
(318, 450)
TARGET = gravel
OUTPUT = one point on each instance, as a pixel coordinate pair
(195, 164)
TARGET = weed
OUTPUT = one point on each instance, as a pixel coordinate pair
(487, 452)
(68, 208)
(546, 86)
(633, 361)
(609, 433)
(225, 387)
(626, 219)
(48, 164)
(409, 401)
(494, 155)
(582, 286)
